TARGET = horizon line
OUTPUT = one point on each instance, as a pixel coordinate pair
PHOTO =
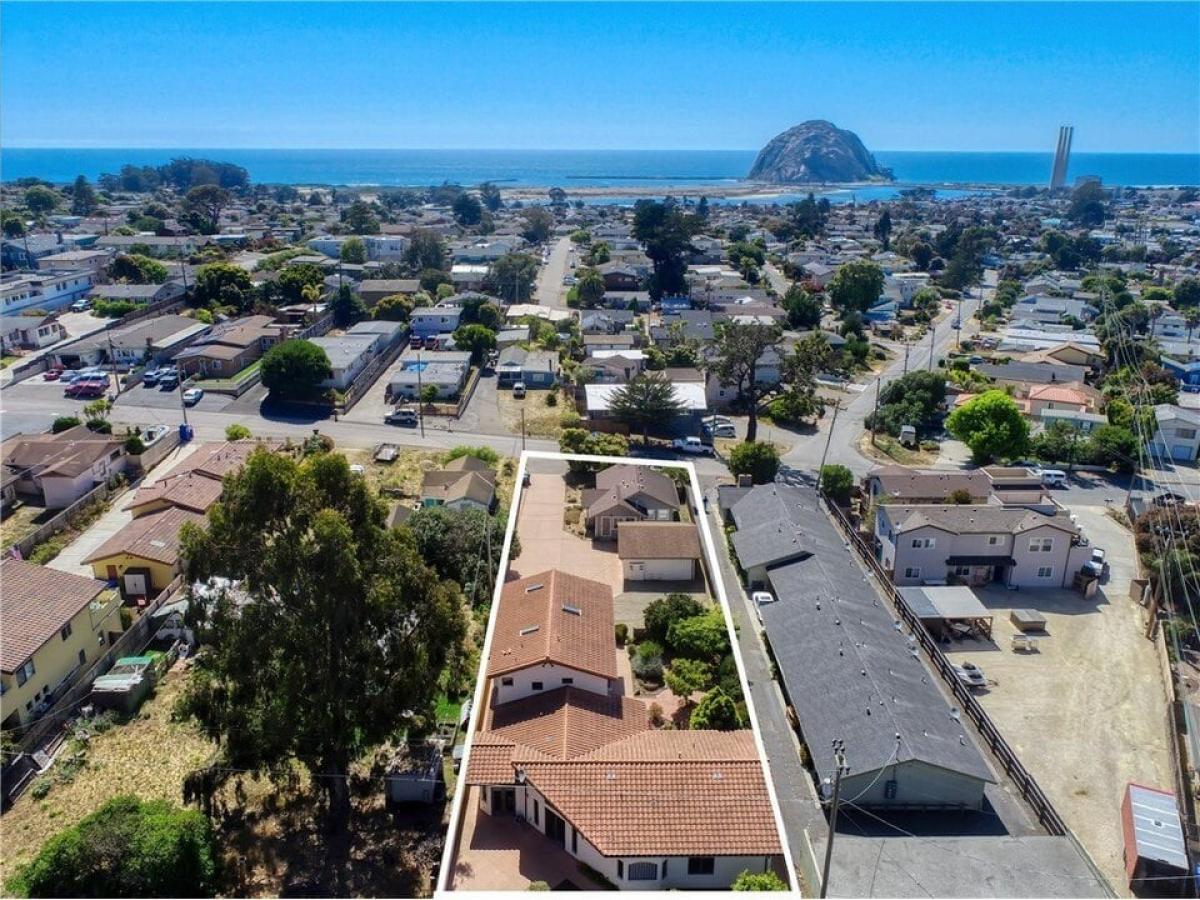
(176, 149)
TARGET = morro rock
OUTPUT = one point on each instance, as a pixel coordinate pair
(816, 151)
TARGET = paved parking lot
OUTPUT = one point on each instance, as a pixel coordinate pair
(1087, 712)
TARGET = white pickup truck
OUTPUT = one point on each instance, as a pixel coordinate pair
(692, 445)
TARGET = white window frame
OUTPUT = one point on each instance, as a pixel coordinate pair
(924, 543)
(1041, 545)
(912, 572)
(993, 540)
(1048, 570)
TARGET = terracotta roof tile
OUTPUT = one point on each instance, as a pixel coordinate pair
(154, 537)
(35, 602)
(567, 722)
(554, 617)
(190, 490)
(682, 808)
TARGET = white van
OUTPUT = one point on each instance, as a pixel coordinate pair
(1053, 477)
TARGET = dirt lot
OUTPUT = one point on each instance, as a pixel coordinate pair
(410, 466)
(270, 837)
(22, 521)
(1087, 713)
(541, 420)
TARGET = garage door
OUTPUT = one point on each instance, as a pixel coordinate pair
(1181, 451)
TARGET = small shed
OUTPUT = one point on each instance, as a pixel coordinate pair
(949, 611)
(416, 775)
(1154, 844)
(126, 684)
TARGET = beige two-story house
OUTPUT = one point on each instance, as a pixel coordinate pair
(977, 545)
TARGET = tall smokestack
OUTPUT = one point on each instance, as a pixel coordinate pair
(1062, 157)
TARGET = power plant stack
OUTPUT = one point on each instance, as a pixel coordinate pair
(1062, 156)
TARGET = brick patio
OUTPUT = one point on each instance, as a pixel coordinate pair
(497, 853)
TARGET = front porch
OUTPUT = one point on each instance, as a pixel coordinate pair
(498, 853)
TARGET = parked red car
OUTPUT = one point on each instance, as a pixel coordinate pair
(52, 375)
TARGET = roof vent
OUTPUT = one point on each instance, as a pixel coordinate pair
(529, 629)
(534, 587)
(954, 713)
(573, 610)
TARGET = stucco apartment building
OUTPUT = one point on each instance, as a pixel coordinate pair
(55, 625)
(974, 544)
(564, 751)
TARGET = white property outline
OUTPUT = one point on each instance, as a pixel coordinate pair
(452, 831)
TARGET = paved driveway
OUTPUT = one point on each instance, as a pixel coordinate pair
(545, 543)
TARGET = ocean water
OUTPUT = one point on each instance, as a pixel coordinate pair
(695, 169)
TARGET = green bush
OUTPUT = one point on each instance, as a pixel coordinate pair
(237, 432)
(486, 454)
(759, 461)
(552, 398)
(48, 549)
(837, 482)
(134, 445)
(622, 631)
(661, 613)
(758, 881)
(62, 423)
(100, 426)
(127, 848)
(702, 637)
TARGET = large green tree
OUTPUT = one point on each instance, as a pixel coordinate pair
(223, 284)
(41, 200)
(83, 198)
(511, 277)
(990, 424)
(739, 351)
(294, 370)
(589, 287)
(666, 232)
(133, 268)
(340, 630)
(353, 251)
(456, 543)
(856, 286)
(203, 205)
(475, 339)
(425, 250)
(645, 400)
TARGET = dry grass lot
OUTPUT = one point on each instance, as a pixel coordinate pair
(541, 420)
(23, 521)
(1087, 713)
(270, 835)
(405, 473)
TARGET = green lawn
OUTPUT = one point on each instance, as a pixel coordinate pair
(448, 710)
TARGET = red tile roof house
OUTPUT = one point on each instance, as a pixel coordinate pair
(562, 751)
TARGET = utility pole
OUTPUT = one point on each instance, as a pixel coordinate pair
(522, 428)
(932, 332)
(113, 359)
(875, 411)
(828, 439)
(420, 397)
(906, 354)
(179, 387)
(839, 758)
(958, 321)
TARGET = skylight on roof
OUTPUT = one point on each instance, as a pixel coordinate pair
(534, 587)
(529, 629)
(573, 610)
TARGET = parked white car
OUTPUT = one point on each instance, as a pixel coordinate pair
(692, 445)
(192, 396)
(762, 598)
(1053, 477)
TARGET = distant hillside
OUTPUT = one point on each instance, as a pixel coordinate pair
(816, 151)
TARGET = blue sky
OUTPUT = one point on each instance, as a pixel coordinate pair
(931, 76)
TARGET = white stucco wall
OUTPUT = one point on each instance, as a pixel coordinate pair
(659, 569)
(551, 676)
(916, 784)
